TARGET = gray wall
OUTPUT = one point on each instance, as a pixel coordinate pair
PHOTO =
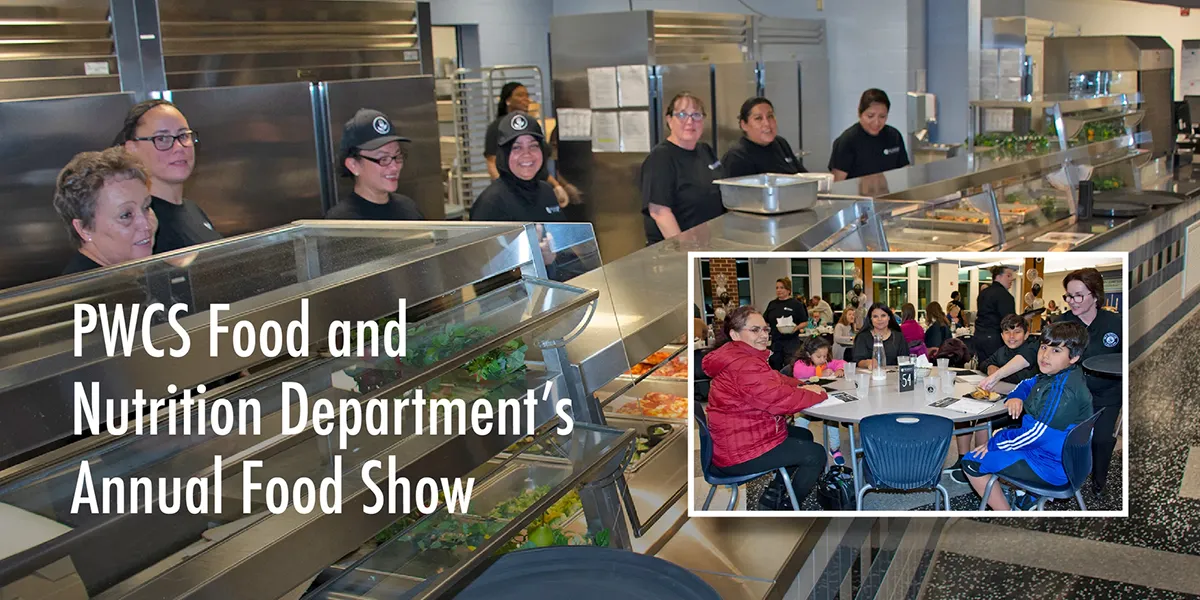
(952, 31)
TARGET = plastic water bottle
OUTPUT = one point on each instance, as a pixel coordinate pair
(712, 338)
(880, 359)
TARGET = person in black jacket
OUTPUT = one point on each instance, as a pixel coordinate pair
(158, 134)
(783, 345)
(881, 323)
(937, 327)
(993, 304)
(372, 154)
(760, 149)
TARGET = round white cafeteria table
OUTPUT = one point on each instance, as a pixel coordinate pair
(886, 397)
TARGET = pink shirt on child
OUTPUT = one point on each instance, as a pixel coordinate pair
(802, 371)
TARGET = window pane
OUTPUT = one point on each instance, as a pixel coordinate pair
(800, 286)
(964, 290)
(704, 272)
(799, 266)
(924, 291)
(743, 268)
(832, 267)
(744, 301)
(831, 286)
(878, 268)
(897, 270)
(964, 275)
(923, 270)
(879, 290)
(744, 288)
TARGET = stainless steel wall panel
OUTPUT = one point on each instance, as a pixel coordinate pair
(733, 84)
(781, 84)
(697, 79)
(241, 42)
(39, 138)
(411, 104)
(44, 49)
(254, 163)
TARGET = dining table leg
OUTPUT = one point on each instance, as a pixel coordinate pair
(854, 460)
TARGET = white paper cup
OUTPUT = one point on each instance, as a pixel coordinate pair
(849, 370)
(943, 364)
(863, 381)
(932, 388)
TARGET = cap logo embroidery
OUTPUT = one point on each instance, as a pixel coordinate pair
(519, 123)
(381, 125)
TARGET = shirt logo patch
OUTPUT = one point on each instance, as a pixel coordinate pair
(891, 151)
(553, 209)
(1111, 340)
(381, 125)
(519, 123)
(208, 225)
(787, 160)
(714, 166)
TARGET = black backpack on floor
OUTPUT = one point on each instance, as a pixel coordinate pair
(835, 488)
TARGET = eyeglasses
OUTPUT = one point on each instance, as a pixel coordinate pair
(684, 116)
(385, 161)
(1075, 297)
(758, 330)
(165, 142)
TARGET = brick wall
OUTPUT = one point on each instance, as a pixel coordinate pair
(716, 268)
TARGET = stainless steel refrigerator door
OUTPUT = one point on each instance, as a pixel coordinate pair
(800, 92)
(411, 105)
(733, 84)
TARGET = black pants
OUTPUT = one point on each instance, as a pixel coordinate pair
(804, 458)
(987, 343)
(1104, 444)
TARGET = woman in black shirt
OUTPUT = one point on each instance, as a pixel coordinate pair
(157, 133)
(784, 345)
(761, 149)
(881, 323)
(1085, 299)
(869, 146)
(514, 97)
(993, 304)
(937, 326)
(677, 177)
(371, 153)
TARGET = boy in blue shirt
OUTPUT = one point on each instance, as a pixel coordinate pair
(1049, 405)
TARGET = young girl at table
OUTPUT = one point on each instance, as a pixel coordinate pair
(813, 360)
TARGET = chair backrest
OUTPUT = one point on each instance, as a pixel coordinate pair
(706, 445)
(1077, 451)
(906, 450)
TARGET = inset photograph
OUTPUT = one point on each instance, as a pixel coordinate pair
(908, 383)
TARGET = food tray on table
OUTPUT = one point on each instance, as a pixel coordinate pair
(658, 398)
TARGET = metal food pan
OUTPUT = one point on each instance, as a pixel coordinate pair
(640, 424)
(516, 479)
(769, 193)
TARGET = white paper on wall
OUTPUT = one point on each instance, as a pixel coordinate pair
(574, 124)
(634, 84)
(602, 87)
(1189, 74)
(997, 119)
(635, 131)
(606, 132)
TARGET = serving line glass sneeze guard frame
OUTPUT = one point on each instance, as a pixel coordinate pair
(484, 279)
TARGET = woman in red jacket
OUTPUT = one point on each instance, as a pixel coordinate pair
(748, 403)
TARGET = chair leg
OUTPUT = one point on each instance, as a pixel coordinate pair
(712, 491)
(987, 492)
(787, 483)
(862, 492)
(733, 498)
(1041, 505)
(945, 496)
(1079, 497)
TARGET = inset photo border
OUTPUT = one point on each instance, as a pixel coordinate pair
(916, 409)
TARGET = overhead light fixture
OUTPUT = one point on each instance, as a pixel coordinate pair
(992, 264)
(918, 262)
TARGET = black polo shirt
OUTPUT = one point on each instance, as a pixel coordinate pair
(745, 157)
(1027, 350)
(859, 153)
(1104, 337)
(181, 225)
(681, 180)
(993, 304)
(79, 263)
(356, 208)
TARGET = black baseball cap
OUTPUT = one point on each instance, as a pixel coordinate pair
(516, 124)
(368, 130)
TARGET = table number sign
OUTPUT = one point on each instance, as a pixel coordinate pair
(907, 378)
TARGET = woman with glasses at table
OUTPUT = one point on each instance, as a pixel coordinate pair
(157, 133)
(372, 154)
(677, 177)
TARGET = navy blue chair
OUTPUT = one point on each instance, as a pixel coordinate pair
(733, 483)
(1076, 461)
(904, 452)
